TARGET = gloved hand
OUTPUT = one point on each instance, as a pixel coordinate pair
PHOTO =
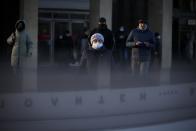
(147, 44)
(138, 43)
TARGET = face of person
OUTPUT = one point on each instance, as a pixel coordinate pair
(101, 24)
(97, 44)
(122, 28)
(68, 34)
(141, 26)
(20, 27)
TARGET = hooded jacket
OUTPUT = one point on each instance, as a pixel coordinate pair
(22, 46)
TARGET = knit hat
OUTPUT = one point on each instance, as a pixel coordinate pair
(102, 20)
(141, 21)
(18, 22)
(22, 27)
(97, 36)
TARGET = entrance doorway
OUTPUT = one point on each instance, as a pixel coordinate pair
(53, 28)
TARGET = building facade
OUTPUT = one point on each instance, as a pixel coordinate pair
(173, 19)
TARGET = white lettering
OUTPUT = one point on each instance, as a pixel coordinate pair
(28, 102)
(54, 101)
(122, 98)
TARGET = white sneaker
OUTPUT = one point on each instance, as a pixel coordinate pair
(76, 64)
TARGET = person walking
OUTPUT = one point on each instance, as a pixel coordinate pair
(142, 41)
(21, 52)
(22, 46)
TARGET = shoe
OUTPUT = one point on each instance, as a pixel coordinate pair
(76, 64)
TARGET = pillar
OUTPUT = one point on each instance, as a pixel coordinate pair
(166, 62)
(106, 11)
(100, 8)
(155, 15)
(94, 13)
(29, 12)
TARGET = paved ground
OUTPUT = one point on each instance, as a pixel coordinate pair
(61, 77)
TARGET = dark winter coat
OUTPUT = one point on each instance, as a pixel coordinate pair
(98, 59)
(141, 52)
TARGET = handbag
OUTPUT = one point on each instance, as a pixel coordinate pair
(12, 39)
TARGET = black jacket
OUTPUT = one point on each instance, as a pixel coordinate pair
(97, 59)
(120, 39)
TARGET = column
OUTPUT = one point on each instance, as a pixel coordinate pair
(29, 12)
(106, 11)
(166, 41)
(94, 13)
(155, 17)
(100, 8)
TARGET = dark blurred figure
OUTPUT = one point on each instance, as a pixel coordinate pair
(120, 51)
(156, 52)
(64, 47)
(82, 46)
(190, 46)
(68, 46)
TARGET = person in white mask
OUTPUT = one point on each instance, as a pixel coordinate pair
(97, 41)
(98, 61)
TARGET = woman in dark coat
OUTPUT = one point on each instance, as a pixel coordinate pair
(99, 61)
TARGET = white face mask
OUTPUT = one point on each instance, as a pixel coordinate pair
(97, 45)
(121, 28)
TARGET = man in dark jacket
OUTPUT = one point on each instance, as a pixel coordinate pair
(142, 41)
(107, 34)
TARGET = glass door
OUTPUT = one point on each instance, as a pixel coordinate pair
(61, 30)
(44, 42)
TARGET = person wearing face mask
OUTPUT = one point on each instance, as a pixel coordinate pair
(97, 41)
(98, 61)
(96, 51)
(107, 34)
(120, 51)
(142, 41)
